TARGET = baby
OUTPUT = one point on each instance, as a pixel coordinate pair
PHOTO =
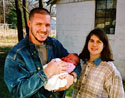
(55, 82)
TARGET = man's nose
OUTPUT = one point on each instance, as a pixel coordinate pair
(43, 28)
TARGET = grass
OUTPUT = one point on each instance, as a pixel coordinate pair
(69, 92)
(68, 97)
(6, 43)
(3, 89)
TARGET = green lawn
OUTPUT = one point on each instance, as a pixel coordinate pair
(6, 43)
(3, 89)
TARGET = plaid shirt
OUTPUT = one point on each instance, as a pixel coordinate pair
(102, 81)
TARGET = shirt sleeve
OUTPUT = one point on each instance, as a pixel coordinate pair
(113, 84)
(77, 70)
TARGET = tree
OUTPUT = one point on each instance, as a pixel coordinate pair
(25, 13)
(19, 19)
(11, 18)
(19, 16)
(41, 3)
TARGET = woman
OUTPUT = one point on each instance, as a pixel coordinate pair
(99, 77)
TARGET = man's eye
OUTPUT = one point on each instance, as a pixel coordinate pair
(38, 25)
(48, 25)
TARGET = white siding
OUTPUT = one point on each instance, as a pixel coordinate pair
(119, 43)
(73, 21)
(76, 19)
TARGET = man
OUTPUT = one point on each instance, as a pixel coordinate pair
(23, 72)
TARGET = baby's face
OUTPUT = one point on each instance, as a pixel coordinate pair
(71, 59)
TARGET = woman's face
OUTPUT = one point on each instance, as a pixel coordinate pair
(95, 46)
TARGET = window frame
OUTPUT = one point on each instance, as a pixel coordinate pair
(105, 15)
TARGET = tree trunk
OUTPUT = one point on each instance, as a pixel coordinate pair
(25, 11)
(19, 19)
(41, 3)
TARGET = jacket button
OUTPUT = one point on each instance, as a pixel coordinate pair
(38, 68)
(45, 79)
(34, 52)
(51, 96)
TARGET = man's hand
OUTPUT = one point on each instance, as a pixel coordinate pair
(55, 67)
(69, 79)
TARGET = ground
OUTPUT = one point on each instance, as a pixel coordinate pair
(7, 41)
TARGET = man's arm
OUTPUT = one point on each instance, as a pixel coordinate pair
(21, 82)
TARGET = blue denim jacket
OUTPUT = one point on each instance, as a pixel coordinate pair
(21, 73)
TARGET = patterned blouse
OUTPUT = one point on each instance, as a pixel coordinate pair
(99, 79)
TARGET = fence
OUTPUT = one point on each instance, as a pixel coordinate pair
(5, 30)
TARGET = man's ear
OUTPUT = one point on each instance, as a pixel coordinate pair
(28, 23)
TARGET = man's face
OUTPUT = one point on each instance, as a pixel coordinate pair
(39, 28)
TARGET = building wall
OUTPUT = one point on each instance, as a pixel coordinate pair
(75, 19)
(119, 41)
(73, 22)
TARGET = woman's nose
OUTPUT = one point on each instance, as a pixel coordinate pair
(94, 43)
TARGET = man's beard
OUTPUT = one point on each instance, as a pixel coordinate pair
(35, 36)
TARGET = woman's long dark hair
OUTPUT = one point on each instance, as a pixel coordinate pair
(106, 54)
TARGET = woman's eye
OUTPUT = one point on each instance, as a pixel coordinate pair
(99, 42)
(91, 40)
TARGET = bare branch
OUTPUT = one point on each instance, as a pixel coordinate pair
(25, 8)
(12, 4)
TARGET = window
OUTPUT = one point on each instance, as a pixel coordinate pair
(105, 15)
